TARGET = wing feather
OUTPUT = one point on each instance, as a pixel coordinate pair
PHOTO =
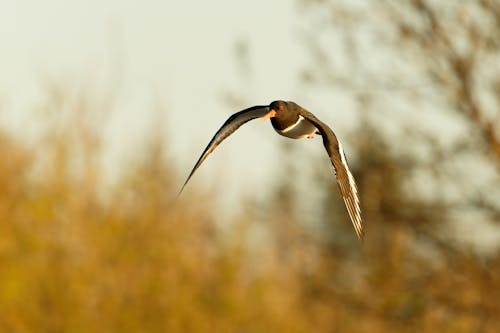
(228, 128)
(344, 176)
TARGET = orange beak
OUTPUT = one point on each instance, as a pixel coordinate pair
(270, 114)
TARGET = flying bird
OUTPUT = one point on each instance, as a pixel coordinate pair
(291, 120)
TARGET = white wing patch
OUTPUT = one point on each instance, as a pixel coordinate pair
(356, 219)
(349, 174)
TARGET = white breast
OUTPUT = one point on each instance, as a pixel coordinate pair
(301, 129)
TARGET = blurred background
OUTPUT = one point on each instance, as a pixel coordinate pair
(106, 106)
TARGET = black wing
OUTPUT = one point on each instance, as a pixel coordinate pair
(345, 179)
(231, 125)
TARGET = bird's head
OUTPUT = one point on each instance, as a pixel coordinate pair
(275, 108)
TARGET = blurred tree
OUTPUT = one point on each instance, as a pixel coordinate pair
(425, 76)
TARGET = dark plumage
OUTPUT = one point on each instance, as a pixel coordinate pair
(293, 121)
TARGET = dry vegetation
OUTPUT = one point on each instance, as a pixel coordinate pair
(133, 260)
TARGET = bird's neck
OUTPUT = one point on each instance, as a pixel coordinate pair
(282, 121)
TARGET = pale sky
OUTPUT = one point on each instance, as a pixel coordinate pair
(180, 54)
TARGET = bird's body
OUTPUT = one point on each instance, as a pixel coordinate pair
(301, 129)
(292, 121)
(292, 124)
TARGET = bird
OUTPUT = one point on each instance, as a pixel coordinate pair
(293, 121)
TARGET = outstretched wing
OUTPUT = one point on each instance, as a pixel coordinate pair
(231, 125)
(345, 179)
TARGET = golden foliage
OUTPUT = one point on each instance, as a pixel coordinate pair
(138, 261)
